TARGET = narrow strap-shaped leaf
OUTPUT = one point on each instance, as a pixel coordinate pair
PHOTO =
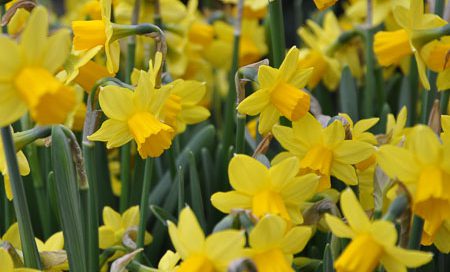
(348, 100)
(68, 200)
(196, 191)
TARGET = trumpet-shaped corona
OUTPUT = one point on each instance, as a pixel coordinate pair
(391, 47)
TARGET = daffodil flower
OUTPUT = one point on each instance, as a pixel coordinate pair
(323, 151)
(273, 243)
(115, 226)
(435, 55)
(181, 107)
(7, 264)
(135, 115)
(440, 239)
(26, 74)
(93, 33)
(395, 128)
(276, 191)
(280, 93)
(391, 47)
(327, 65)
(372, 242)
(204, 254)
(424, 167)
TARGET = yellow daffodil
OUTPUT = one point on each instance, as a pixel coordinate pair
(266, 191)
(7, 264)
(391, 47)
(116, 225)
(280, 93)
(273, 244)
(425, 169)
(168, 262)
(27, 80)
(372, 242)
(323, 151)
(252, 45)
(135, 115)
(18, 21)
(436, 57)
(327, 65)
(323, 4)
(357, 10)
(204, 254)
(182, 106)
(24, 168)
(93, 33)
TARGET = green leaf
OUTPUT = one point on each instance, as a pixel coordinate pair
(196, 192)
(348, 99)
(162, 215)
(68, 200)
(327, 259)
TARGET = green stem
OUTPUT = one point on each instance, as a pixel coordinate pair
(444, 101)
(277, 32)
(134, 266)
(416, 233)
(369, 91)
(125, 153)
(93, 221)
(147, 185)
(396, 209)
(30, 251)
(240, 133)
(414, 89)
(428, 97)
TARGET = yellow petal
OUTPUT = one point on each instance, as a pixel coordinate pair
(344, 172)
(300, 189)
(225, 202)
(11, 105)
(338, 227)
(114, 133)
(12, 235)
(24, 167)
(54, 59)
(334, 134)
(130, 217)
(283, 172)
(112, 51)
(255, 103)
(384, 232)
(247, 175)
(267, 76)
(224, 246)
(268, 233)
(111, 218)
(194, 115)
(422, 69)
(106, 237)
(55, 242)
(301, 77)
(352, 152)
(116, 102)
(191, 91)
(9, 56)
(289, 65)
(398, 162)
(268, 118)
(190, 232)
(425, 144)
(392, 265)
(295, 240)
(34, 36)
(443, 80)
(6, 263)
(409, 258)
(365, 124)
(308, 130)
(285, 136)
(353, 212)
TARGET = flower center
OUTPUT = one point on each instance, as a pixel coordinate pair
(391, 46)
(432, 198)
(291, 102)
(269, 202)
(272, 260)
(202, 34)
(151, 135)
(171, 109)
(88, 34)
(196, 263)
(48, 100)
(362, 254)
(318, 160)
